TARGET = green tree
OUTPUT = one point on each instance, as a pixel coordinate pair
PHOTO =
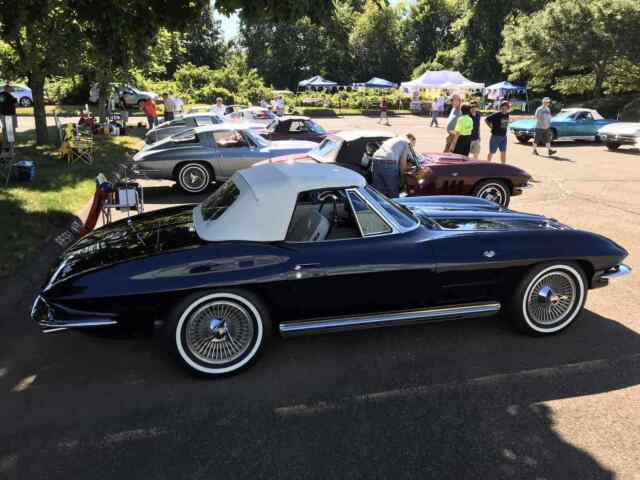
(428, 29)
(376, 43)
(574, 44)
(478, 32)
(41, 40)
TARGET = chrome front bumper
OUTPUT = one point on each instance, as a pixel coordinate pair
(601, 279)
(52, 318)
(616, 272)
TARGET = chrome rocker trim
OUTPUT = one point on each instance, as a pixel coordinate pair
(616, 272)
(360, 322)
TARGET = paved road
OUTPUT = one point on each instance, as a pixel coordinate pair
(470, 399)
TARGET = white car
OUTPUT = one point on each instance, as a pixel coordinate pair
(617, 134)
(255, 115)
(23, 94)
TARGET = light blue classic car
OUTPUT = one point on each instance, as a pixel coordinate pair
(569, 124)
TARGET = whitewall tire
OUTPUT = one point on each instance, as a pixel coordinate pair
(194, 177)
(549, 298)
(496, 191)
(218, 333)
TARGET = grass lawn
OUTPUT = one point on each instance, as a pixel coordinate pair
(32, 212)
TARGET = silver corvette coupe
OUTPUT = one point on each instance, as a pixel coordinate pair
(197, 157)
(177, 125)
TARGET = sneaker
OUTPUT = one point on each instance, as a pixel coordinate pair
(552, 152)
(535, 152)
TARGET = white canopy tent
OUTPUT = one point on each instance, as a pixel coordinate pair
(442, 79)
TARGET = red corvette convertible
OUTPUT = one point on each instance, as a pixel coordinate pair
(428, 173)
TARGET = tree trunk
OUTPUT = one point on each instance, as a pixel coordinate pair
(104, 82)
(600, 73)
(36, 83)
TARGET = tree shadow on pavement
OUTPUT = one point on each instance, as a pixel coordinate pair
(456, 400)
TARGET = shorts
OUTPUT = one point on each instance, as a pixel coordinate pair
(497, 142)
(463, 144)
(543, 136)
(474, 147)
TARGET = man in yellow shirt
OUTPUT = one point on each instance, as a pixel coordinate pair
(464, 127)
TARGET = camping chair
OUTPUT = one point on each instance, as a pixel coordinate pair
(7, 159)
(59, 128)
(77, 146)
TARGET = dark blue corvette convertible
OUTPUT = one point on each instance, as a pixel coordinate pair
(307, 248)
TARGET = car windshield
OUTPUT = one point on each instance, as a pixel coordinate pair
(257, 140)
(214, 206)
(326, 152)
(564, 116)
(315, 128)
(401, 214)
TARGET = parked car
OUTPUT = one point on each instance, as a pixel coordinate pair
(23, 94)
(133, 97)
(618, 134)
(569, 124)
(296, 127)
(428, 173)
(197, 157)
(304, 249)
(180, 124)
(257, 115)
(209, 108)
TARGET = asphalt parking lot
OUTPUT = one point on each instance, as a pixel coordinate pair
(469, 399)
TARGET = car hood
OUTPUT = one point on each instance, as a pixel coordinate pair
(471, 213)
(525, 124)
(622, 128)
(143, 235)
(291, 145)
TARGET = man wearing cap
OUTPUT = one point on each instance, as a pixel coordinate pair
(543, 127)
(8, 108)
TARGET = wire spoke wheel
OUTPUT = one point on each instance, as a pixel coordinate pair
(552, 298)
(219, 332)
(194, 178)
(494, 193)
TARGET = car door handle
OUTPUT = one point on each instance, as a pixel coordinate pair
(306, 266)
(455, 174)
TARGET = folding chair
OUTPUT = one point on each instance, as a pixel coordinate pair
(7, 159)
(81, 149)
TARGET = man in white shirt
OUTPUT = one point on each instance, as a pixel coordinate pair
(436, 107)
(179, 105)
(169, 107)
(219, 108)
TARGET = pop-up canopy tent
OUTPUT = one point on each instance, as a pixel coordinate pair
(316, 82)
(502, 90)
(376, 82)
(441, 79)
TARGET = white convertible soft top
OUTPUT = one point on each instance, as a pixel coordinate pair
(594, 113)
(268, 193)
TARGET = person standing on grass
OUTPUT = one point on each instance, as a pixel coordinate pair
(498, 122)
(474, 148)
(149, 109)
(8, 108)
(543, 127)
(384, 109)
(451, 122)
(464, 127)
(437, 106)
(169, 107)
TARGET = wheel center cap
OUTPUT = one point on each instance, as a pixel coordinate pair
(547, 296)
(217, 328)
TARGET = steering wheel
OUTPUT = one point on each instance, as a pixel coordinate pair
(329, 197)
